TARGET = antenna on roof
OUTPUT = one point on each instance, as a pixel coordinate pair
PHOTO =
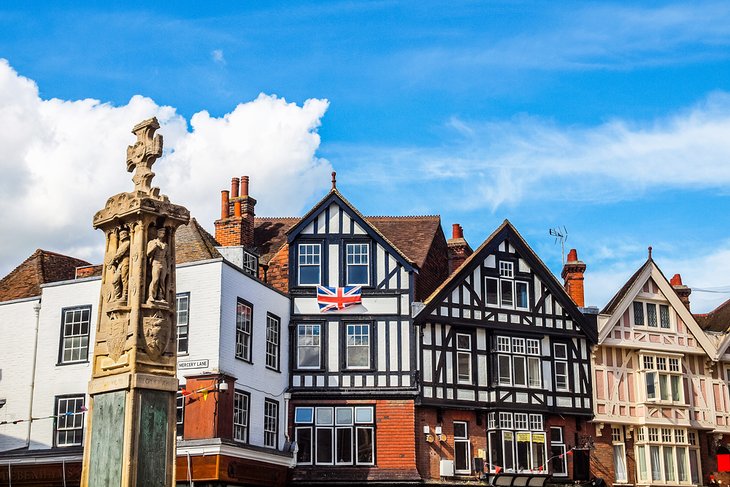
(562, 235)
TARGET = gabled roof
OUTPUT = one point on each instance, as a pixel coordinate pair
(194, 243)
(625, 296)
(410, 236)
(717, 320)
(40, 268)
(507, 231)
(334, 196)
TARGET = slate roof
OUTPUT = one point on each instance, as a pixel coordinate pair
(616, 299)
(40, 268)
(194, 243)
(411, 235)
(717, 320)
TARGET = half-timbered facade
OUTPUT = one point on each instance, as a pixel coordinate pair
(504, 355)
(354, 371)
(659, 396)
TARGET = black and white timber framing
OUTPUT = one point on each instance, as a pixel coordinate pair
(502, 334)
(387, 292)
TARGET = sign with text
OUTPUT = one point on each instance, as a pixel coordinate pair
(193, 364)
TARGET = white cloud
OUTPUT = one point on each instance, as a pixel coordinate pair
(524, 158)
(62, 159)
(217, 56)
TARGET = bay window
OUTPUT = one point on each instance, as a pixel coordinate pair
(518, 362)
(517, 442)
(666, 456)
(663, 377)
(335, 435)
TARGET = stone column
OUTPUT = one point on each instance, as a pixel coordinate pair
(130, 434)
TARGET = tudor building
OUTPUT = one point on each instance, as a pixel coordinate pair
(504, 355)
(353, 374)
(661, 401)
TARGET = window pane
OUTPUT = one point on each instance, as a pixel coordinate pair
(675, 387)
(520, 372)
(642, 462)
(459, 429)
(358, 346)
(521, 294)
(651, 314)
(693, 466)
(344, 445)
(533, 372)
(619, 463)
(508, 448)
(463, 366)
(650, 388)
(304, 443)
(324, 445)
(656, 473)
(523, 451)
(664, 315)
(461, 456)
(682, 464)
(343, 416)
(668, 463)
(664, 387)
(638, 313)
(505, 369)
(495, 450)
(363, 415)
(324, 415)
(308, 274)
(364, 445)
(538, 452)
(303, 415)
(75, 338)
(492, 298)
(558, 462)
(507, 293)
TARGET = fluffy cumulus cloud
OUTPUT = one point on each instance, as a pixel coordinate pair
(61, 159)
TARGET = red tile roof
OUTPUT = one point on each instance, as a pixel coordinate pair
(40, 268)
(716, 320)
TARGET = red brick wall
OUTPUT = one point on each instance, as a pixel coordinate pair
(278, 272)
(395, 449)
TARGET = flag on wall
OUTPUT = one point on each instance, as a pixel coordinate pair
(336, 298)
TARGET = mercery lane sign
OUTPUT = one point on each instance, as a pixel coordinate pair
(193, 364)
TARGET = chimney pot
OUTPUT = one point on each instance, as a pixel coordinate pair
(457, 231)
(234, 187)
(244, 186)
(572, 274)
(237, 208)
(573, 255)
(676, 280)
(224, 205)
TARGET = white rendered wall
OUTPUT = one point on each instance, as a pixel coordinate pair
(17, 332)
(51, 379)
(254, 377)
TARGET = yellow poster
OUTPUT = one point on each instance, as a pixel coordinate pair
(538, 437)
(523, 437)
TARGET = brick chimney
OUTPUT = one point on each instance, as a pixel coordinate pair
(235, 226)
(572, 275)
(682, 291)
(459, 249)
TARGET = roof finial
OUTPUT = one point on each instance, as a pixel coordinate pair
(334, 179)
(650, 251)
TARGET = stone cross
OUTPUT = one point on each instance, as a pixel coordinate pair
(144, 153)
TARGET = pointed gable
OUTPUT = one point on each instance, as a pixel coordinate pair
(525, 292)
(40, 268)
(649, 283)
(334, 214)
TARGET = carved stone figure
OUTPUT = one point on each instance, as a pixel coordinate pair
(143, 154)
(119, 265)
(157, 255)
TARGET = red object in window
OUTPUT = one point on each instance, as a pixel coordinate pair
(723, 462)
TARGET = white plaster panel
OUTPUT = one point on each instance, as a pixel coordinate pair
(405, 346)
(333, 348)
(382, 350)
(333, 267)
(374, 305)
(334, 218)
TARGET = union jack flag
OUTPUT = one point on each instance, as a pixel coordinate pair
(336, 298)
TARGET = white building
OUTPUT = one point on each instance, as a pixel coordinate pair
(232, 365)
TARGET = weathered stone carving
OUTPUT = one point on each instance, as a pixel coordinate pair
(134, 356)
(143, 154)
(158, 257)
(119, 266)
(157, 331)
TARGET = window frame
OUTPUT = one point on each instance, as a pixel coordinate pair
(246, 426)
(247, 342)
(465, 441)
(178, 334)
(506, 282)
(320, 346)
(658, 307)
(180, 414)
(57, 419)
(467, 352)
(659, 366)
(320, 258)
(346, 274)
(562, 447)
(271, 317)
(268, 404)
(346, 345)
(62, 335)
(514, 351)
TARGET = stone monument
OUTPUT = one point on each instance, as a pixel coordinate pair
(130, 434)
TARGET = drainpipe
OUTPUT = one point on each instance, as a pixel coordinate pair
(37, 309)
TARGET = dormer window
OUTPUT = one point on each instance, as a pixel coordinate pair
(309, 264)
(506, 269)
(357, 263)
(250, 263)
(505, 291)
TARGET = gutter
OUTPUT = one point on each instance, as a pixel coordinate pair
(37, 309)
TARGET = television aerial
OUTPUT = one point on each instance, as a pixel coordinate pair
(560, 234)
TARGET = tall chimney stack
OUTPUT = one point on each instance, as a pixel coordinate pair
(459, 249)
(236, 225)
(682, 291)
(572, 275)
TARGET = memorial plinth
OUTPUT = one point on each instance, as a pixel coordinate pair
(130, 435)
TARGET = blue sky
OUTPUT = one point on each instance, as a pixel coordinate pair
(611, 119)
